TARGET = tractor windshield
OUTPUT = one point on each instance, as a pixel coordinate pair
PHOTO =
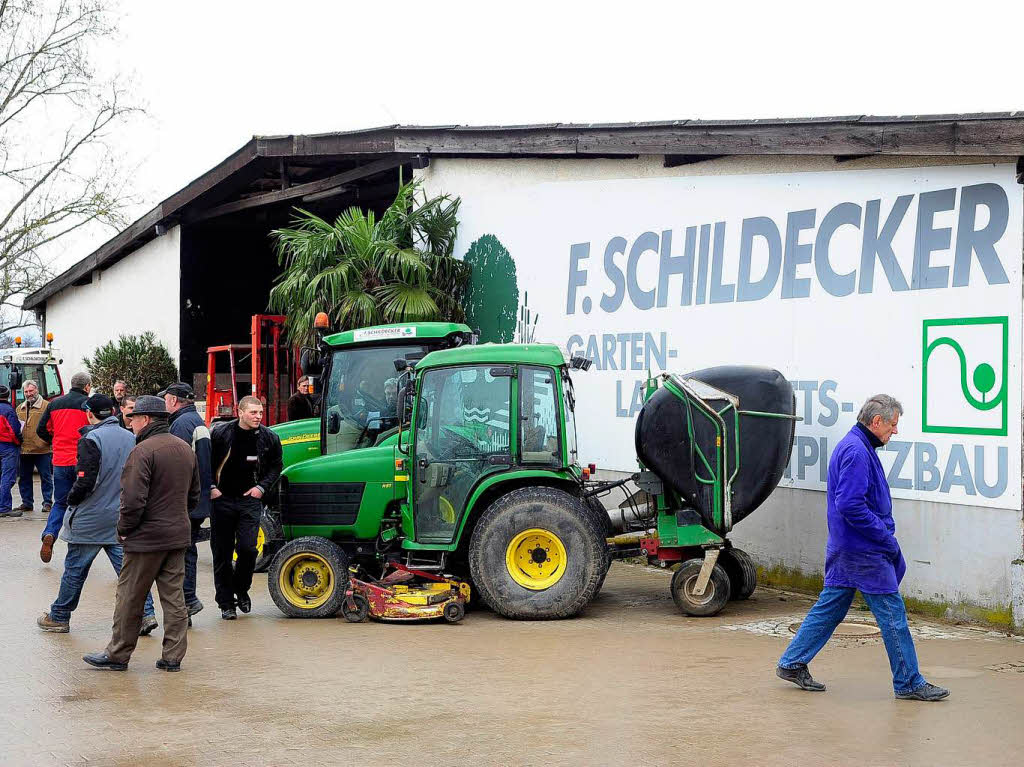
(45, 376)
(361, 395)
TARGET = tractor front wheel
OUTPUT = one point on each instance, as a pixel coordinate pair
(715, 595)
(537, 554)
(309, 578)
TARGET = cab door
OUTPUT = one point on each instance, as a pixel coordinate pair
(462, 433)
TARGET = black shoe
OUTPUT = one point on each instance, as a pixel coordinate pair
(165, 665)
(926, 692)
(801, 677)
(149, 625)
(195, 607)
(244, 604)
(100, 660)
(228, 613)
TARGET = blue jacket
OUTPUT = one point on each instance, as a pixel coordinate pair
(94, 501)
(862, 551)
(188, 425)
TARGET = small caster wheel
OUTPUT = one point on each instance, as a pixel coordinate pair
(454, 612)
(355, 608)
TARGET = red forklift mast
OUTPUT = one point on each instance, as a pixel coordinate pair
(268, 359)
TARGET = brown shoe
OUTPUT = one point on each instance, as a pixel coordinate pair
(46, 623)
(46, 550)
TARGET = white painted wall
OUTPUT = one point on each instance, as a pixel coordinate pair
(140, 292)
(955, 553)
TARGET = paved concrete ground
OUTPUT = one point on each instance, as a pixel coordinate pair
(629, 682)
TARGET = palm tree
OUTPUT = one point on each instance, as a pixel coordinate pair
(366, 271)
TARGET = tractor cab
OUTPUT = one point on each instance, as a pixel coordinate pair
(39, 364)
(481, 412)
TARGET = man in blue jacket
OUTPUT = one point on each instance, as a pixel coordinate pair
(94, 501)
(861, 554)
(186, 423)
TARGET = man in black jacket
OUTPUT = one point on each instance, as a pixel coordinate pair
(246, 458)
(187, 424)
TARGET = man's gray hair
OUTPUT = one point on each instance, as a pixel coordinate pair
(28, 382)
(880, 404)
(81, 380)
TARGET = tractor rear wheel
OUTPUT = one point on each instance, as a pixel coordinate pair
(537, 554)
(715, 595)
(309, 578)
(604, 523)
(741, 571)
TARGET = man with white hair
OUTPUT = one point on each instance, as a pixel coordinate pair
(862, 554)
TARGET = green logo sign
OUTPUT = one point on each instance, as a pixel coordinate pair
(964, 369)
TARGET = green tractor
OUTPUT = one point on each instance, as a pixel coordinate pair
(482, 483)
(366, 357)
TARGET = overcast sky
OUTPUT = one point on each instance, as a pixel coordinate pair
(214, 73)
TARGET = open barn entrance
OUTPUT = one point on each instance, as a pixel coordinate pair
(228, 261)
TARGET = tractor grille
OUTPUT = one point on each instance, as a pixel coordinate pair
(321, 503)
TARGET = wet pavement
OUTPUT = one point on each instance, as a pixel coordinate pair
(629, 682)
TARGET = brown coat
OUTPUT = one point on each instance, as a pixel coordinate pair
(159, 488)
(31, 444)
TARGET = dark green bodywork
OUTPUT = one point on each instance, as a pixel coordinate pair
(387, 471)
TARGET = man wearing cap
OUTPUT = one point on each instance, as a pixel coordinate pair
(159, 488)
(186, 423)
(10, 452)
(91, 522)
(36, 455)
(59, 427)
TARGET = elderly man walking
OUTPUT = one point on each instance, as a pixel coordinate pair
(59, 426)
(160, 487)
(36, 455)
(188, 425)
(90, 526)
(861, 554)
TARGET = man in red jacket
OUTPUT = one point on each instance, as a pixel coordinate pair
(59, 427)
(10, 452)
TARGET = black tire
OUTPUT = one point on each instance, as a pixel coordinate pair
(715, 596)
(454, 612)
(272, 538)
(555, 513)
(604, 523)
(358, 611)
(322, 572)
(741, 571)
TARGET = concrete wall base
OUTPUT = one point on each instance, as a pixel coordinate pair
(1017, 594)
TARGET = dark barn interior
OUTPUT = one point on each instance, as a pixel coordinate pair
(228, 261)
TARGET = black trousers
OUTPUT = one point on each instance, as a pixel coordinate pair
(234, 525)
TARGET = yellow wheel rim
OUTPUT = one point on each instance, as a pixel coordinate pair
(306, 580)
(260, 540)
(536, 559)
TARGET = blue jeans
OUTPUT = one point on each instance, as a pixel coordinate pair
(63, 479)
(830, 610)
(43, 463)
(9, 463)
(191, 559)
(77, 562)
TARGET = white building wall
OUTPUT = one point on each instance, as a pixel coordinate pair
(140, 292)
(956, 554)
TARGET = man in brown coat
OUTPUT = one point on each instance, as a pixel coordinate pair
(159, 488)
